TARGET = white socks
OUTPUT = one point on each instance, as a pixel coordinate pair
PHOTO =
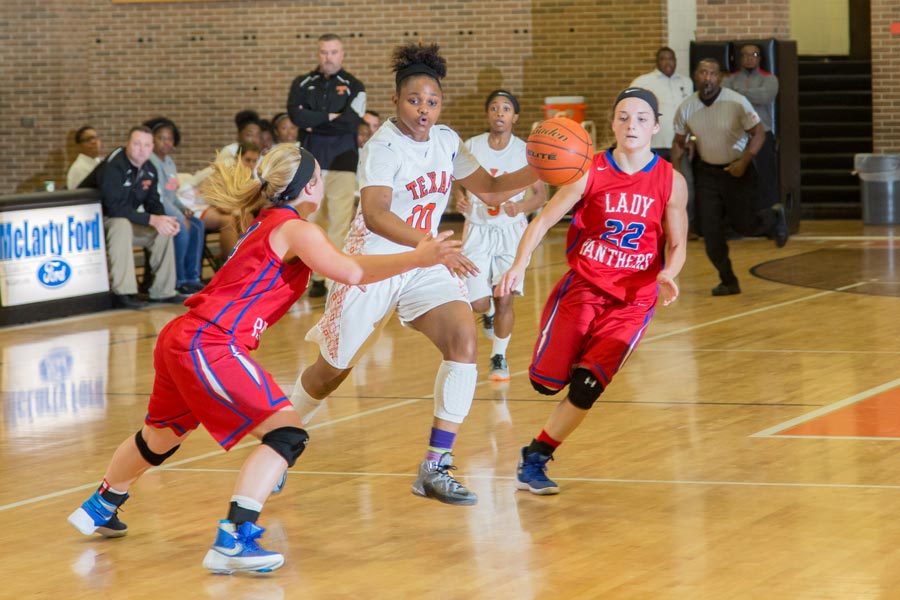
(305, 405)
(500, 345)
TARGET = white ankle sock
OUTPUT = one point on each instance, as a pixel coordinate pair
(305, 405)
(248, 503)
(500, 345)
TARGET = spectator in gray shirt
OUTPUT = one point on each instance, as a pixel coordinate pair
(760, 87)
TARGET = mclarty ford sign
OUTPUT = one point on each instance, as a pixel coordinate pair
(52, 253)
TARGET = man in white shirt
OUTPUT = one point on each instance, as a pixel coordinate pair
(670, 90)
(88, 156)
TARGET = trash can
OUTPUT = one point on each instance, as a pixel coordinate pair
(880, 181)
(572, 107)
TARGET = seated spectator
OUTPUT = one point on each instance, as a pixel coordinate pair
(363, 133)
(88, 156)
(373, 120)
(190, 237)
(266, 137)
(249, 154)
(248, 130)
(284, 128)
(133, 215)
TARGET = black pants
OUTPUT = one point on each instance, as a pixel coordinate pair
(766, 163)
(725, 200)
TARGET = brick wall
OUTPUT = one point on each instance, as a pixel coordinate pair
(70, 62)
(733, 19)
(885, 76)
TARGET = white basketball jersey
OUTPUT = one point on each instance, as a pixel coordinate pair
(496, 162)
(420, 175)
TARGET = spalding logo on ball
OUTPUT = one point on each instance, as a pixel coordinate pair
(560, 151)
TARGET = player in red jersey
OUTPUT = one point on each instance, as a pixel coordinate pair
(204, 373)
(626, 207)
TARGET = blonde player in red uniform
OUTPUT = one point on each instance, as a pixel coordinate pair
(405, 173)
(493, 233)
(204, 373)
(626, 207)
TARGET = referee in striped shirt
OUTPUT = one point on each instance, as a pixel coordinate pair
(728, 135)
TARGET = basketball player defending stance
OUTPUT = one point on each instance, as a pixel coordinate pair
(493, 233)
(204, 373)
(405, 174)
(625, 207)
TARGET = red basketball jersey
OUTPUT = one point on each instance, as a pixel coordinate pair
(616, 238)
(254, 288)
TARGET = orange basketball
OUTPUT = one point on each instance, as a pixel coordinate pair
(560, 150)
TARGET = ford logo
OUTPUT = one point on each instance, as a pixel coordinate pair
(54, 273)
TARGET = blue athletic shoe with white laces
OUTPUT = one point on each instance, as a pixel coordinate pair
(532, 474)
(279, 485)
(97, 515)
(235, 549)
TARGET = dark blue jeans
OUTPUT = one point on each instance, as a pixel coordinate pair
(189, 252)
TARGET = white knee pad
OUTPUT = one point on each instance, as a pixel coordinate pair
(454, 388)
(305, 405)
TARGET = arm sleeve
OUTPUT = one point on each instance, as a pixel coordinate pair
(679, 123)
(303, 117)
(464, 163)
(351, 117)
(153, 203)
(378, 165)
(749, 118)
(764, 93)
(115, 197)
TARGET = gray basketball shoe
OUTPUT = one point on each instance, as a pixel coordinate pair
(435, 481)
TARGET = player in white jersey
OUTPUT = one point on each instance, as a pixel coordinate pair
(493, 233)
(405, 174)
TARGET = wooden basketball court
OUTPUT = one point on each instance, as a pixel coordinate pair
(749, 449)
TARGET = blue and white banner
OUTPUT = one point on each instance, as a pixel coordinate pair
(52, 253)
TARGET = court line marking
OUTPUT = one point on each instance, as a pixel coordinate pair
(51, 495)
(828, 408)
(773, 351)
(754, 311)
(845, 238)
(793, 484)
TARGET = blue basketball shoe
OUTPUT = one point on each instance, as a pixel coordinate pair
(97, 515)
(235, 549)
(531, 474)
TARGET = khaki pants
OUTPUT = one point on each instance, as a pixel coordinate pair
(336, 211)
(121, 237)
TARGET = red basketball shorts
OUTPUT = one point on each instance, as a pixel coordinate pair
(583, 328)
(202, 376)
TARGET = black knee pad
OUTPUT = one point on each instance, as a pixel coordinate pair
(542, 389)
(584, 389)
(149, 455)
(289, 442)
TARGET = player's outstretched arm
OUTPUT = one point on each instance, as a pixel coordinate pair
(561, 203)
(530, 203)
(376, 209)
(676, 227)
(494, 191)
(309, 242)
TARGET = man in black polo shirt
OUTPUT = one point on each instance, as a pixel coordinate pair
(133, 215)
(327, 106)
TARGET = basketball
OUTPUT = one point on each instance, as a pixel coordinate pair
(560, 150)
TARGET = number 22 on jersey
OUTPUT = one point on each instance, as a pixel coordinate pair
(421, 216)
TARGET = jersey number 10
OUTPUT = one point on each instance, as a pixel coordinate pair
(421, 216)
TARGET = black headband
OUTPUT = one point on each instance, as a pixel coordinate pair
(416, 69)
(502, 94)
(636, 92)
(301, 178)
